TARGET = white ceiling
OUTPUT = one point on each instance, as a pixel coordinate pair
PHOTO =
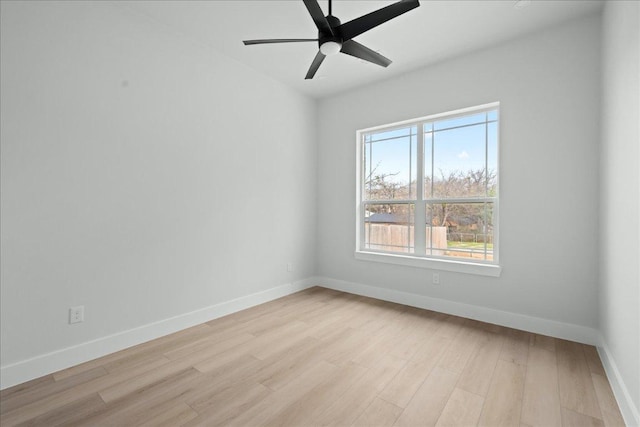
(434, 31)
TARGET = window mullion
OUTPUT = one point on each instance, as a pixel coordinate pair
(420, 214)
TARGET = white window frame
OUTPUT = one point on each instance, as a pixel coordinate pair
(420, 258)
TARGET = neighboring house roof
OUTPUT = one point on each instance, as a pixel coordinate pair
(386, 218)
(390, 218)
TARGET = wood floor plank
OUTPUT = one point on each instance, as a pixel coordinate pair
(477, 373)
(379, 413)
(503, 403)
(308, 407)
(43, 390)
(148, 350)
(543, 342)
(210, 345)
(276, 345)
(462, 409)
(418, 329)
(53, 401)
(280, 369)
(27, 387)
(176, 414)
(252, 346)
(225, 404)
(449, 326)
(162, 344)
(428, 402)
(607, 401)
(362, 392)
(279, 400)
(222, 323)
(133, 362)
(463, 346)
(263, 324)
(69, 414)
(381, 342)
(303, 310)
(574, 378)
(593, 360)
(402, 388)
(342, 349)
(145, 403)
(237, 372)
(516, 346)
(133, 383)
(311, 317)
(330, 325)
(575, 419)
(541, 399)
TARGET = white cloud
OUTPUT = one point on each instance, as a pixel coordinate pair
(463, 155)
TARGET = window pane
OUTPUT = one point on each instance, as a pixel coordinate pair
(389, 227)
(390, 164)
(459, 162)
(460, 230)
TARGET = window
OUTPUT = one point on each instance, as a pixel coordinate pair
(428, 191)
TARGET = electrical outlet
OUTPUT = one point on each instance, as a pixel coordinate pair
(290, 266)
(436, 278)
(76, 314)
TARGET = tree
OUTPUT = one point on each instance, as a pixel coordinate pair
(456, 184)
(380, 186)
(451, 184)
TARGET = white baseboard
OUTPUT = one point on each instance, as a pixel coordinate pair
(628, 408)
(523, 322)
(25, 370)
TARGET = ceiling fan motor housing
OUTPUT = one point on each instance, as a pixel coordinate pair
(324, 37)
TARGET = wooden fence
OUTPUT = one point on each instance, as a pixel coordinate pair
(399, 238)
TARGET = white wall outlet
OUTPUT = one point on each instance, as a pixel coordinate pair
(290, 266)
(436, 278)
(76, 314)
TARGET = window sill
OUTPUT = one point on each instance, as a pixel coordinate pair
(430, 263)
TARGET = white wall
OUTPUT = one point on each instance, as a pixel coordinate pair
(619, 299)
(144, 176)
(548, 86)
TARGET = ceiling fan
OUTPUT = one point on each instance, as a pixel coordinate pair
(334, 37)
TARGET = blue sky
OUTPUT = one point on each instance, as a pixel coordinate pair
(458, 149)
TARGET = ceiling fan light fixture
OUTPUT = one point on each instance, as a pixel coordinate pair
(330, 48)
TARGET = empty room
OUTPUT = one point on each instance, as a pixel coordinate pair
(320, 212)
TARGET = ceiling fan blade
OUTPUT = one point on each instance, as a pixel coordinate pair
(318, 16)
(315, 65)
(266, 41)
(354, 48)
(355, 27)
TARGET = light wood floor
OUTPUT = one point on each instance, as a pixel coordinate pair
(321, 357)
